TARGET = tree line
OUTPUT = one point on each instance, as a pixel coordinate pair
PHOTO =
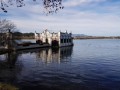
(20, 35)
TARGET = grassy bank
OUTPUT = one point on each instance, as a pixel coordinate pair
(4, 86)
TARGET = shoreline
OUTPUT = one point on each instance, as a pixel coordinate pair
(78, 37)
(91, 37)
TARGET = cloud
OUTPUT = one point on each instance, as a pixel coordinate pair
(91, 22)
(81, 22)
(73, 3)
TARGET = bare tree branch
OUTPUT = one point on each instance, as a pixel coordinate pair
(51, 6)
(5, 26)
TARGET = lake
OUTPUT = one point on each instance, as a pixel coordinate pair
(92, 64)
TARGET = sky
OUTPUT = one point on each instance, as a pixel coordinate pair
(89, 17)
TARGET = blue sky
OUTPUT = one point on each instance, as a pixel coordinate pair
(90, 17)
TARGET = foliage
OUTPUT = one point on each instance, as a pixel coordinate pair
(20, 35)
(51, 6)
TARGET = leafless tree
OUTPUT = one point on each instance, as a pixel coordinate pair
(5, 27)
(6, 24)
(51, 6)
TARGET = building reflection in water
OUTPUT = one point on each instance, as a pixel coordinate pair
(51, 55)
(11, 64)
(47, 55)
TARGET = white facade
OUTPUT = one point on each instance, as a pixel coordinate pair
(54, 39)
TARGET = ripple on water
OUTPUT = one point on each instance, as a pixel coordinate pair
(89, 65)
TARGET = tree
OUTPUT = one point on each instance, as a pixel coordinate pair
(6, 26)
(51, 6)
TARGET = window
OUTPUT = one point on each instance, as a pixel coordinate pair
(70, 40)
(67, 40)
(61, 40)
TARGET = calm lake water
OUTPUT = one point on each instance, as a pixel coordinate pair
(88, 65)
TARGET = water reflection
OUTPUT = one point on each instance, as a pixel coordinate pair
(91, 65)
(8, 60)
(8, 67)
(50, 55)
(11, 64)
(54, 55)
(47, 55)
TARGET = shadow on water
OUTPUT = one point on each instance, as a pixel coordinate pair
(9, 71)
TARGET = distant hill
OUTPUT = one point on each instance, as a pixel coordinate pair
(82, 36)
(79, 35)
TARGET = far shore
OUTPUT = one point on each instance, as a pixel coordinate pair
(81, 37)
(96, 37)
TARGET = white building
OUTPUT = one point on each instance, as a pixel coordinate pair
(54, 39)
